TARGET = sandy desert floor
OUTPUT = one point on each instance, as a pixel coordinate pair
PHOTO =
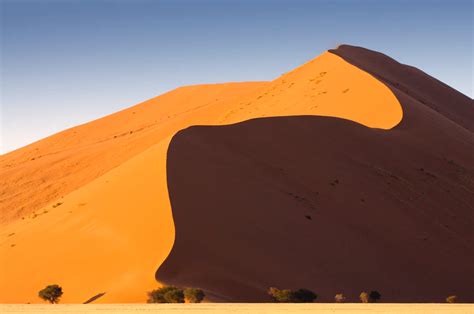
(239, 308)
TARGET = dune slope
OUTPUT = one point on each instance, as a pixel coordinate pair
(328, 204)
(413, 88)
(113, 225)
(51, 168)
(94, 240)
(331, 206)
(55, 166)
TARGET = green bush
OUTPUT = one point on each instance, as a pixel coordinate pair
(171, 294)
(166, 294)
(51, 293)
(304, 296)
(292, 296)
(194, 295)
(174, 296)
(364, 297)
(374, 296)
(282, 296)
(339, 298)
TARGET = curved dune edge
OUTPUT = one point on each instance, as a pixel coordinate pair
(57, 165)
(113, 230)
(413, 88)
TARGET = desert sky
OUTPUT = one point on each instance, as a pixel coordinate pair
(66, 63)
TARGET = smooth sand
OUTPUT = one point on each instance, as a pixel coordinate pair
(114, 225)
(243, 308)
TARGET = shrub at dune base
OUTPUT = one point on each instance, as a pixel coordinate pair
(51, 293)
(174, 296)
(171, 294)
(304, 296)
(371, 297)
(292, 296)
(339, 298)
(193, 295)
(166, 294)
(451, 299)
(283, 296)
(364, 297)
(374, 296)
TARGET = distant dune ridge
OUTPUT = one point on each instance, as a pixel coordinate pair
(352, 172)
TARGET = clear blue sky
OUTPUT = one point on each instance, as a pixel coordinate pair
(67, 62)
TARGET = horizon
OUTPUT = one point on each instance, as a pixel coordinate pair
(65, 64)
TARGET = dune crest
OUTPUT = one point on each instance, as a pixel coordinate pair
(94, 214)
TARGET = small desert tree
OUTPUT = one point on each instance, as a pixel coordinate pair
(166, 294)
(174, 296)
(282, 296)
(374, 296)
(292, 296)
(194, 295)
(340, 298)
(364, 297)
(303, 296)
(451, 299)
(51, 293)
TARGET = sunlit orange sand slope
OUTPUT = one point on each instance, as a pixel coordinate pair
(88, 208)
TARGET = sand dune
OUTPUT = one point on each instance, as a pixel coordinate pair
(97, 240)
(49, 169)
(114, 227)
(413, 88)
(329, 204)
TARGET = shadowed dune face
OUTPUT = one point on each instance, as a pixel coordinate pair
(328, 204)
(113, 226)
(321, 203)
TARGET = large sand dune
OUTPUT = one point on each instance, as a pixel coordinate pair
(114, 226)
(329, 204)
(320, 203)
